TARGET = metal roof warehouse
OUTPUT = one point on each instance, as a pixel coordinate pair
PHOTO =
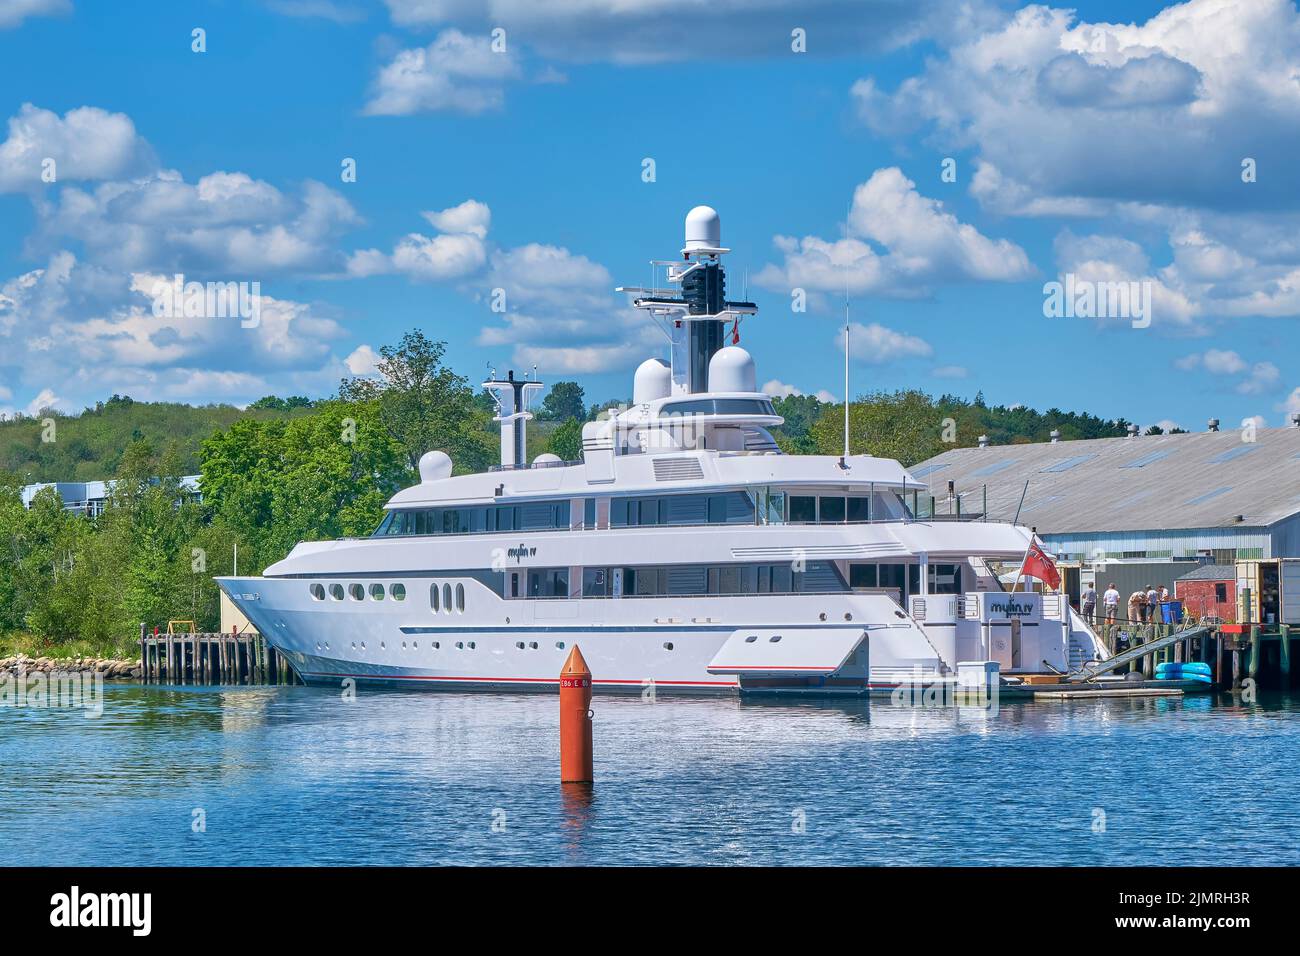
(1196, 495)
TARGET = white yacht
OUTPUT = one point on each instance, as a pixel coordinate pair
(684, 551)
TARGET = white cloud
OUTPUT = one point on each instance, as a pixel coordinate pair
(950, 371)
(363, 361)
(1112, 259)
(1071, 112)
(471, 217)
(93, 330)
(459, 251)
(1167, 425)
(13, 12)
(877, 345)
(1258, 377)
(1292, 404)
(322, 9)
(921, 241)
(640, 31)
(86, 143)
(456, 72)
(779, 389)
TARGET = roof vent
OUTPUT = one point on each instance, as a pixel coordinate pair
(1132, 431)
(1295, 420)
(1055, 435)
(1213, 424)
(984, 440)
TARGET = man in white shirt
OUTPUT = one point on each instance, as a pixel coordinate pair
(1110, 600)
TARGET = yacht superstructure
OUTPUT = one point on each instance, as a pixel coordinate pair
(684, 551)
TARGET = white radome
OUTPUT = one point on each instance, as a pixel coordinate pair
(434, 466)
(703, 228)
(732, 370)
(653, 379)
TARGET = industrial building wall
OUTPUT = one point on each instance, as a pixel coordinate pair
(1246, 542)
(1286, 538)
(1130, 577)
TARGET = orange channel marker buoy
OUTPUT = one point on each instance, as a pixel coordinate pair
(575, 720)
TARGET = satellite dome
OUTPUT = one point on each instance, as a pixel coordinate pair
(732, 370)
(546, 458)
(434, 466)
(653, 379)
(703, 229)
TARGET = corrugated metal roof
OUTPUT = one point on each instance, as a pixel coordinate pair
(1211, 572)
(1153, 482)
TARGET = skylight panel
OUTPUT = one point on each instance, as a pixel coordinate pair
(1147, 459)
(927, 469)
(1208, 495)
(1232, 453)
(1069, 463)
(994, 468)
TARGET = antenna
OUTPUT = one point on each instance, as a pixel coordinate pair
(846, 371)
(847, 219)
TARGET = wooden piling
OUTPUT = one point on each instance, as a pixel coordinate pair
(1284, 655)
(1253, 666)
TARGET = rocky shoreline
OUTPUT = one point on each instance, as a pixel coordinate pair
(111, 668)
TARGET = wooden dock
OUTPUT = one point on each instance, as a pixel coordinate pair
(212, 659)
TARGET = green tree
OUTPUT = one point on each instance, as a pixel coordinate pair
(565, 400)
(904, 425)
(566, 440)
(421, 403)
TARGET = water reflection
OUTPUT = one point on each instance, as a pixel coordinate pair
(303, 775)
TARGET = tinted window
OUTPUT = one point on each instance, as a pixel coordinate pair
(832, 509)
(803, 508)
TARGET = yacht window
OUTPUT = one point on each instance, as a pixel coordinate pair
(398, 592)
(357, 592)
(859, 509)
(460, 599)
(862, 576)
(376, 592)
(803, 509)
(589, 513)
(433, 598)
(336, 592)
(548, 583)
(595, 582)
(720, 406)
(384, 525)
(446, 599)
(317, 592)
(891, 576)
(832, 509)
(505, 518)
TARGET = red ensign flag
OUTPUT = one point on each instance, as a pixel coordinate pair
(1039, 565)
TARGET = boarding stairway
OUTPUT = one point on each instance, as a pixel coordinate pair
(1094, 670)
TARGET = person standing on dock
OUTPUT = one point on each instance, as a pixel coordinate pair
(1137, 607)
(1111, 601)
(1088, 601)
(1153, 604)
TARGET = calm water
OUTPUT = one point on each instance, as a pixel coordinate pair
(296, 775)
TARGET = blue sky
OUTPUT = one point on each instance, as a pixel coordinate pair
(1105, 143)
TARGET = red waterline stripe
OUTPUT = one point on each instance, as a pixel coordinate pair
(773, 667)
(527, 680)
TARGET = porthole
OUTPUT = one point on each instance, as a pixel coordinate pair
(533, 645)
(398, 592)
(318, 592)
(403, 645)
(460, 599)
(433, 598)
(460, 645)
(471, 645)
(519, 644)
(383, 646)
(415, 645)
(354, 645)
(751, 639)
(848, 617)
(437, 644)
(336, 592)
(668, 645)
(357, 592)
(376, 592)
(774, 638)
(327, 645)
(363, 645)
(560, 644)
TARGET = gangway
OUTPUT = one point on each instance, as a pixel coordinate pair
(1093, 671)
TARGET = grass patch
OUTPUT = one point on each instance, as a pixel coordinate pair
(21, 642)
